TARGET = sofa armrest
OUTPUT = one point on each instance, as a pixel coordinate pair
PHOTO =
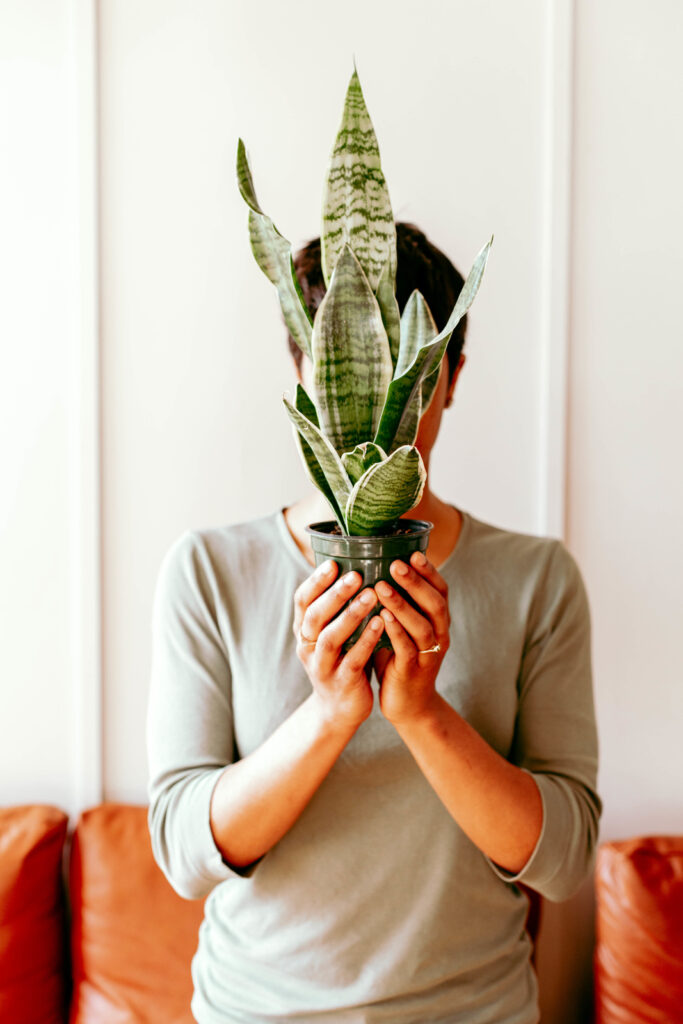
(639, 931)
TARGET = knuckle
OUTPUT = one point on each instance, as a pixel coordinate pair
(325, 643)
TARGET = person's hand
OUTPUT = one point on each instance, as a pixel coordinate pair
(408, 676)
(341, 684)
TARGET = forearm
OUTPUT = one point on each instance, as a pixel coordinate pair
(258, 799)
(495, 803)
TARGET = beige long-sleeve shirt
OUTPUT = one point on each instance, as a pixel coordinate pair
(375, 906)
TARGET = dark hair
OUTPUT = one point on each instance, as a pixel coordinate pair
(419, 264)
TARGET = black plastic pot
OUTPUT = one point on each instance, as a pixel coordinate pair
(371, 557)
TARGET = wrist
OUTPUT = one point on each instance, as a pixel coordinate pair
(427, 715)
(332, 721)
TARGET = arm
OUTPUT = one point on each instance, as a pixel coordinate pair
(211, 816)
(257, 800)
(495, 803)
(534, 816)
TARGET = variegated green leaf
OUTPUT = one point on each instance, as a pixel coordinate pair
(417, 330)
(361, 458)
(305, 406)
(391, 314)
(356, 205)
(385, 492)
(330, 463)
(402, 389)
(410, 422)
(352, 364)
(273, 253)
(428, 387)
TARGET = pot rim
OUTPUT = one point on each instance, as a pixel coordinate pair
(420, 526)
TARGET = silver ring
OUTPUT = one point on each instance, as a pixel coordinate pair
(431, 650)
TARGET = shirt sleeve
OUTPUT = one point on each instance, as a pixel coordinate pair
(555, 733)
(189, 720)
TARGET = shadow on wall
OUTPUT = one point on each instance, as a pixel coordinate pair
(564, 958)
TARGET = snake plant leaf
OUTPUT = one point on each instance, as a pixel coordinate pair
(327, 458)
(428, 387)
(391, 314)
(406, 432)
(352, 364)
(305, 406)
(361, 458)
(417, 330)
(385, 491)
(402, 389)
(356, 204)
(273, 253)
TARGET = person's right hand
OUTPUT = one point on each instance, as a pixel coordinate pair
(340, 683)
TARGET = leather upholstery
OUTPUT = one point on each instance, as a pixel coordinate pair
(639, 931)
(32, 919)
(133, 937)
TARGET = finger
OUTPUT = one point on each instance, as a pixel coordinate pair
(311, 588)
(418, 627)
(356, 658)
(331, 638)
(424, 567)
(432, 603)
(326, 607)
(405, 650)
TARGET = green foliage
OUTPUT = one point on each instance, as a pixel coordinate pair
(374, 371)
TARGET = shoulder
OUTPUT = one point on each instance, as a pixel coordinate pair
(512, 552)
(202, 559)
(540, 566)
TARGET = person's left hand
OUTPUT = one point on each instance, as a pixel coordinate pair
(408, 675)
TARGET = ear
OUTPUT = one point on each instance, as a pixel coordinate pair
(451, 386)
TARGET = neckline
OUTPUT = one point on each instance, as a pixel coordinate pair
(303, 562)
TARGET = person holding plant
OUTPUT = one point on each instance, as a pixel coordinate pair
(361, 821)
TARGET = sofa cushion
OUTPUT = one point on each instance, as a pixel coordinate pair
(133, 937)
(639, 931)
(32, 918)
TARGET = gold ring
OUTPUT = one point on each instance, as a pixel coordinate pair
(431, 650)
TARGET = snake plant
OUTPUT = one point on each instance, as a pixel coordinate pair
(374, 370)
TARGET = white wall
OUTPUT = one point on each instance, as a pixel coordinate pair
(194, 353)
(35, 309)
(625, 486)
(194, 361)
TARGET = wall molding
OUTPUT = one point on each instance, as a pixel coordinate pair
(84, 413)
(558, 87)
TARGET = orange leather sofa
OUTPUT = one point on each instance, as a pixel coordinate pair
(130, 936)
(90, 930)
(639, 931)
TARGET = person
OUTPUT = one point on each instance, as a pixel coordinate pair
(363, 825)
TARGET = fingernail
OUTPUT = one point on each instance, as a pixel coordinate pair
(383, 589)
(376, 623)
(325, 567)
(419, 559)
(367, 597)
(400, 568)
(349, 579)
(386, 615)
